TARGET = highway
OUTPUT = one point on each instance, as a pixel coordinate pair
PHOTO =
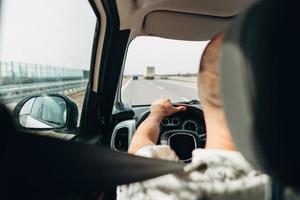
(141, 91)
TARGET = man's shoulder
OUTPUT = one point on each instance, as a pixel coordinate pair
(222, 173)
(220, 158)
(209, 156)
(212, 173)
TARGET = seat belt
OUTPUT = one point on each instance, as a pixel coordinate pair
(38, 166)
(34, 166)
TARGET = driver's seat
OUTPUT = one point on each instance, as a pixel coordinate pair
(260, 84)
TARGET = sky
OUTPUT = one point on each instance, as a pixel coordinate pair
(168, 56)
(60, 32)
(56, 32)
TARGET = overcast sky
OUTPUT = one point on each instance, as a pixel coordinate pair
(60, 32)
(168, 56)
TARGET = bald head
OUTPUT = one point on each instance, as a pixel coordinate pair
(208, 78)
(218, 133)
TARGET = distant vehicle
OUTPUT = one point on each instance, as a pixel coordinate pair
(135, 78)
(149, 73)
(164, 77)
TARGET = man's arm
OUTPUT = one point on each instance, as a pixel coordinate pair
(148, 132)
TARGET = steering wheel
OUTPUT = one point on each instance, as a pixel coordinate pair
(183, 142)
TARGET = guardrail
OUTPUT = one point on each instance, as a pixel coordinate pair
(10, 93)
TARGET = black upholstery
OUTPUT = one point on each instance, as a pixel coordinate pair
(37, 166)
(6, 133)
(6, 124)
(260, 84)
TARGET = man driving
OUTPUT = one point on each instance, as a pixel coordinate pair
(218, 171)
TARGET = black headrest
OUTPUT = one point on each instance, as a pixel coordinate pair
(260, 81)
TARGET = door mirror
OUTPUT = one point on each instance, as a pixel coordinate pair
(47, 112)
(43, 112)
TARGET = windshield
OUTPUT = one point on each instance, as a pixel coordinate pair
(157, 67)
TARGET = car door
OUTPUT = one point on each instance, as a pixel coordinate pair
(46, 49)
(67, 50)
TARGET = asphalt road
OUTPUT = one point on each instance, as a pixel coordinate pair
(143, 91)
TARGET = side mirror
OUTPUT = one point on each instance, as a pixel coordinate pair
(47, 112)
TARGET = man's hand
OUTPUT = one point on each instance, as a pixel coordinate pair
(148, 132)
(163, 108)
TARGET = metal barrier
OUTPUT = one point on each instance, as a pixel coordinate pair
(21, 79)
(10, 93)
(17, 71)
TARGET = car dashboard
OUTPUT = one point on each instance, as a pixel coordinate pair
(191, 120)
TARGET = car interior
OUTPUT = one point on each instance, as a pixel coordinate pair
(92, 159)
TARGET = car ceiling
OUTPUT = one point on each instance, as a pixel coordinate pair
(178, 19)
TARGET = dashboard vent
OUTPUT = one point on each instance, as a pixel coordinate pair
(121, 139)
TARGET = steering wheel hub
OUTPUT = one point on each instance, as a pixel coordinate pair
(183, 142)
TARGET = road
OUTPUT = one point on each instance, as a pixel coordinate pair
(143, 91)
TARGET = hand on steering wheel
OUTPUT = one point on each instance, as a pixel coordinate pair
(163, 108)
(181, 141)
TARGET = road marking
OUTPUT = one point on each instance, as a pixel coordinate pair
(126, 84)
(160, 87)
(192, 85)
(184, 99)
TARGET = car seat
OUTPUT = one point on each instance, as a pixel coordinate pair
(259, 85)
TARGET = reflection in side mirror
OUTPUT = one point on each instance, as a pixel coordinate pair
(43, 112)
(47, 112)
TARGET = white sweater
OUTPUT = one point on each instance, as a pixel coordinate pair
(212, 174)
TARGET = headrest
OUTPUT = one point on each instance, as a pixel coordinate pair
(259, 86)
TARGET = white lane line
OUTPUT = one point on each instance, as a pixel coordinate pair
(126, 84)
(184, 99)
(160, 87)
(191, 85)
